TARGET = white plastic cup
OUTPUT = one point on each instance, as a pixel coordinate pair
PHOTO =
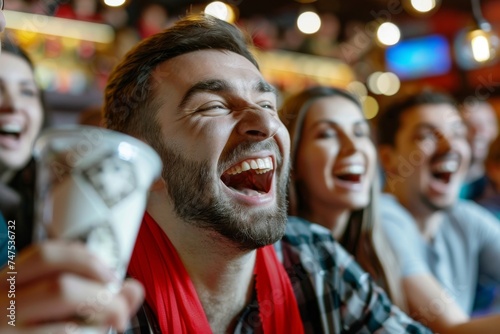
(92, 186)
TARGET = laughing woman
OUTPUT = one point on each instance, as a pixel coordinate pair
(334, 178)
(21, 119)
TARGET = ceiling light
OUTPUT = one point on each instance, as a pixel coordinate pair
(221, 11)
(477, 45)
(423, 6)
(308, 22)
(388, 33)
(114, 3)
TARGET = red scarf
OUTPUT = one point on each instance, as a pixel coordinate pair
(173, 298)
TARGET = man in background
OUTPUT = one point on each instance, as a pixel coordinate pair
(482, 125)
(444, 244)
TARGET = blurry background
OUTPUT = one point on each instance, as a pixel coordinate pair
(375, 48)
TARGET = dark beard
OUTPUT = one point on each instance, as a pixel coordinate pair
(197, 198)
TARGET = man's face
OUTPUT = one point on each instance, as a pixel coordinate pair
(430, 157)
(481, 122)
(225, 151)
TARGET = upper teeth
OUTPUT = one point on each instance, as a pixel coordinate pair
(11, 127)
(260, 166)
(352, 169)
(445, 167)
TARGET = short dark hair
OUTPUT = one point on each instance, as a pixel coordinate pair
(389, 121)
(129, 104)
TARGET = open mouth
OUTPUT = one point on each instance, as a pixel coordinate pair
(352, 173)
(444, 170)
(251, 177)
(11, 130)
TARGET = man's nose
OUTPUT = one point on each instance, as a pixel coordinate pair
(444, 142)
(258, 124)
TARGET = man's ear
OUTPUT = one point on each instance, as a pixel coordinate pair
(388, 160)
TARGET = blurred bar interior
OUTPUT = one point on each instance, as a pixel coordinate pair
(375, 48)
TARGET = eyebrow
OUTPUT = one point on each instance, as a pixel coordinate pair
(424, 126)
(23, 83)
(217, 85)
(428, 126)
(264, 87)
(332, 123)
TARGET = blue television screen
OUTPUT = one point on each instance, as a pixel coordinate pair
(419, 57)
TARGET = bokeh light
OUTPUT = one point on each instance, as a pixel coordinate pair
(114, 3)
(308, 22)
(388, 33)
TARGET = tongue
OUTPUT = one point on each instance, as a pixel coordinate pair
(247, 191)
(9, 140)
(247, 183)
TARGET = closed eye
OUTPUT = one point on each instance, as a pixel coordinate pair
(29, 92)
(213, 109)
(327, 133)
(268, 106)
(427, 135)
(361, 129)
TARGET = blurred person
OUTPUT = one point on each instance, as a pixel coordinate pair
(444, 244)
(333, 180)
(56, 282)
(21, 119)
(488, 293)
(491, 197)
(482, 125)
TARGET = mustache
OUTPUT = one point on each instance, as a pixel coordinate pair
(231, 157)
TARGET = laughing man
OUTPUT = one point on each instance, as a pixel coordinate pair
(216, 252)
(444, 244)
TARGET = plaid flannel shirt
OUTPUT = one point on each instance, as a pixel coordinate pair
(333, 293)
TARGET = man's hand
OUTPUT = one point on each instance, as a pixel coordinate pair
(60, 287)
